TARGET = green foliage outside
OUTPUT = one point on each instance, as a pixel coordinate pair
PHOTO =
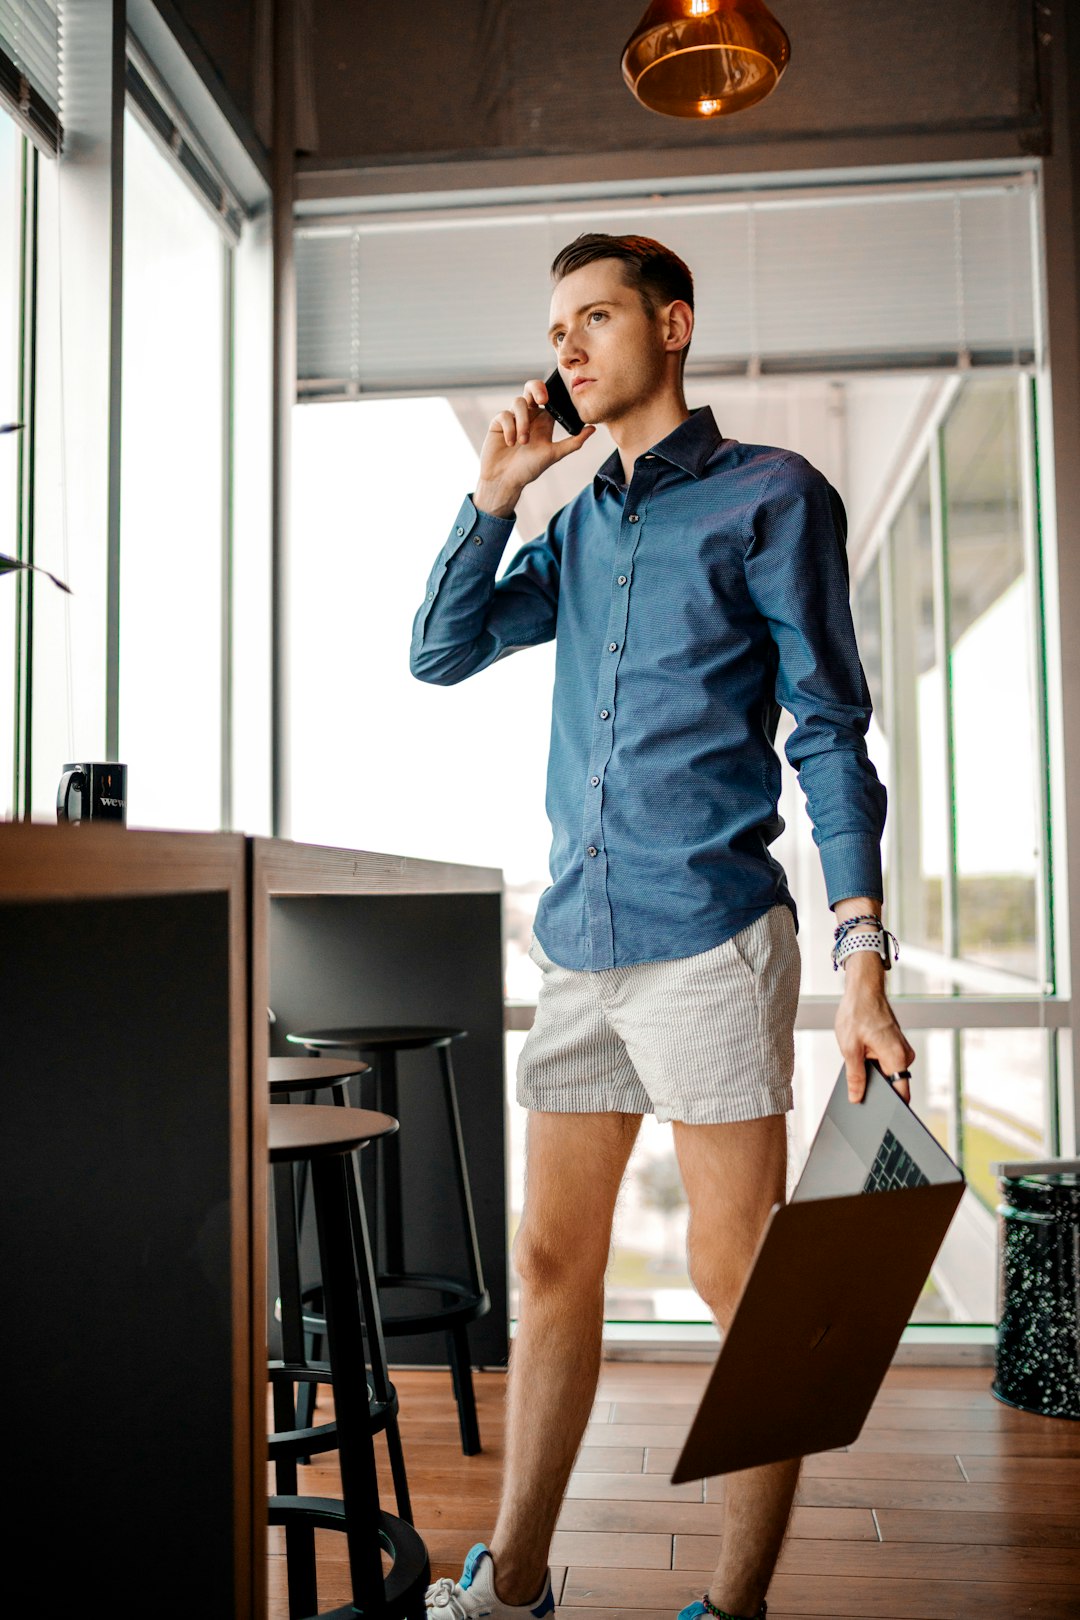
(996, 920)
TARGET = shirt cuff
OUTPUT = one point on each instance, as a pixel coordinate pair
(851, 863)
(478, 537)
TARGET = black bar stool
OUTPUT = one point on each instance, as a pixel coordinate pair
(461, 1299)
(286, 1077)
(327, 1139)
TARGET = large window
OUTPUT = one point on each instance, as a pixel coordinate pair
(172, 514)
(950, 588)
(11, 237)
(917, 701)
(962, 698)
(994, 682)
(136, 511)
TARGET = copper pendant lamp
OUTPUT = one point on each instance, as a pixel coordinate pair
(702, 58)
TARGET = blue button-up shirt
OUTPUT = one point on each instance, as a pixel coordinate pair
(686, 607)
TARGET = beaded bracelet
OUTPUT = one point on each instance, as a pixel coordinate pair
(722, 1614)
(849, 922)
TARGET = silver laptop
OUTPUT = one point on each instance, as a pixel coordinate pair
(878, 1145)
(832, 1285)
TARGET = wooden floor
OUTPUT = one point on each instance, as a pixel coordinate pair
(950, 1505)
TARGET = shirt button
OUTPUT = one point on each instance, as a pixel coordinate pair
(633, 518)
(613, 646)
(431, 596)
(478, 541)
(604, 713)
(593, 849)
(596, 781)
(622, 579)
(461, 531)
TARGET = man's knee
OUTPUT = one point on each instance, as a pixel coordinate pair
(718, 1260)
(718, 1283)
(574, 1167)
(554, 1261)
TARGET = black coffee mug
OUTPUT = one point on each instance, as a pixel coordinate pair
(92, 793)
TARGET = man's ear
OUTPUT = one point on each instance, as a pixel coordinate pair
(678, 325)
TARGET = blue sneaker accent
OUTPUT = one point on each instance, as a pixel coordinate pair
(472, 1558)
(546, 1604)
(693, 1611)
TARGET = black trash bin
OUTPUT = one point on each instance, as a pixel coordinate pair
(1038, 1338)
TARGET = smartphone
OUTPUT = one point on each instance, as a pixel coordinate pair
(561, 405)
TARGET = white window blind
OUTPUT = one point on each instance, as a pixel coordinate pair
(148, 96)
(31, 67)
(915, 275)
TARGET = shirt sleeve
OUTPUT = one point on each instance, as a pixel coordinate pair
(798, 577)
(469, 619)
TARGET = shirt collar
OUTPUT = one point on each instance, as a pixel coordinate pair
(689, 446)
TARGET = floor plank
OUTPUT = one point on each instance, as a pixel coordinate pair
(903, 1493)
(703, 1518)
(841, 1465)
(909, 1409)
(1020, 1470)
(987, 1529)
(952, 1561)
(632, 1488)
(939, 1378)
(984, 1443)
(611, 1460)
(612, 1549)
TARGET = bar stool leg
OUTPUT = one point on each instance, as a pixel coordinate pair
(457, 1146)
(307, 1395)
(457, 1340)
(299, 1538)
(388, 1199)
(376, 1345)
(459, 1355)
(344, 1330)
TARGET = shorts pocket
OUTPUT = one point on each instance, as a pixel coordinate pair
(762, 939)
(748, 944)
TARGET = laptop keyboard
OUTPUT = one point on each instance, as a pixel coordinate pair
(893, 1168)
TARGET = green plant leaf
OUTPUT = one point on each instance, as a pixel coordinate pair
(9, 565)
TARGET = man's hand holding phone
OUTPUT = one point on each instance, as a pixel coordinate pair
(518, 448)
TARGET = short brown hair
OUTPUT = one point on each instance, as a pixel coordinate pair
(658, 275)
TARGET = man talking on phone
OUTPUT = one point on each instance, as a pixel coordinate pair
(694, 585)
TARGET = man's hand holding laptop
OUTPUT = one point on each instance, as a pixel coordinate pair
(866, 1025)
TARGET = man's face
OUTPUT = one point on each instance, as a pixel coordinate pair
(610, 351)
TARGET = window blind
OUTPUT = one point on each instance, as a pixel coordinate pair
(31, 67)
(149, 97)
(908, 275)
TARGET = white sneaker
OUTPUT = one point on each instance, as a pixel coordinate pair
(473, 1596)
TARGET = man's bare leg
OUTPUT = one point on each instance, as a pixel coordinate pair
(733, 1175)
(574, 1168)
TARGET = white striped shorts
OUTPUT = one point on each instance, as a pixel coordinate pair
(705, 1039)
